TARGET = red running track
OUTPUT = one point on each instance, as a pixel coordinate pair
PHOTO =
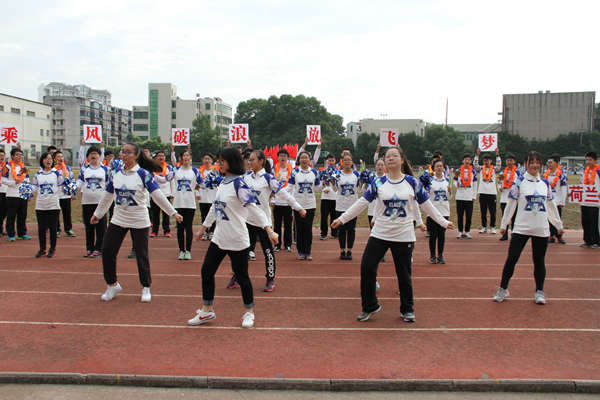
(52, 318)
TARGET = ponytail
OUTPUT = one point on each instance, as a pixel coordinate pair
(261, 157)
(143, 160)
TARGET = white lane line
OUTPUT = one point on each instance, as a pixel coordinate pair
(262, 297)
(295, 277)
(492, 329)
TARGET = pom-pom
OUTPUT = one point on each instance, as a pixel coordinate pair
(25, 191)
(366, 177)
(212, 181)
(329, 175)
(69, 187)
(116, 164)
(425, 179)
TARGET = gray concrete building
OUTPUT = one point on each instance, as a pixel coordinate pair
(61, 89)
(545, 115)
(371, 125)
(166, 110)
(471, 131)
(34, 122)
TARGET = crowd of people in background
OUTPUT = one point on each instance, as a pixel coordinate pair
(246, 197)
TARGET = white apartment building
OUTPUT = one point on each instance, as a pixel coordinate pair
(61, 89)
(35, 124)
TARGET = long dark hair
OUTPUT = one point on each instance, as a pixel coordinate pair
(532, 155)
(261, 157)
(44, 156)
(234, 160)
(406, 167)
(143, 160)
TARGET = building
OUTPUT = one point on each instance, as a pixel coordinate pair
(471, 131)
(34, 121)
(165, 110)
(546, 115)
(370, 125)
(70, 114)
(61, 89)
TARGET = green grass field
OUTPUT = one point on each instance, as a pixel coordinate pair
(571, 212)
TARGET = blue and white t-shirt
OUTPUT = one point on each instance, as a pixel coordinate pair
(303, 184)
(46, 185)
(532, 195)
(12, 187)
(164, 182)
(504, 191)
(229, 210)
(348, 187)
(439, 196)
(184, 186)
(92, 181)
(468, 193)
(69, 174)
(262, 185)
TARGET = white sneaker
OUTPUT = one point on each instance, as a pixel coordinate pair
(181, 255)
(460, 235)
(500, 294)
(146, 296)
(202, 317)
(251, 256)
(248, 320)
(540, 297)
(187, 256)
(493, 231)
(483, 230)
(466, 235)
(111, 292)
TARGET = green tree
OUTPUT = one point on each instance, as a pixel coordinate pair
(447, 139)
(203, 139)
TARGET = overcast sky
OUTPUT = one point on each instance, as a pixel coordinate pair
(361, 59)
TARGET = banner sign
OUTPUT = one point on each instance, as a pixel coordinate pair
(180, 136)
(238, 133)
(389, 137)
(583, 194)
(313, 133)
(10, 134)
(92, 133)
(488, 141)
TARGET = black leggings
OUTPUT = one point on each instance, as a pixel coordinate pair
(110, 249)
(553, 230)
(539, 245)
(93, 231)
(374, 252)
(436, 233)
(514, 217)
(65, 206)
(185, 233)
(267, 247)
(47, 219)
(487, 202)
(304, 227)
(464, 207)
(349, 228)
(155, 212)
(204, 209)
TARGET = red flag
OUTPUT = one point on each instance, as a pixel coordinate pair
(296, 150)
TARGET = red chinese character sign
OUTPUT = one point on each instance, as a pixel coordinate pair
(10, 134)
(389, 137)
(313, 133)
(583, 194)
(238, 133)
(488, 141)
(180, 136)
(92, 133)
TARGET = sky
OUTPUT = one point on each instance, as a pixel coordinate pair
(361, 59)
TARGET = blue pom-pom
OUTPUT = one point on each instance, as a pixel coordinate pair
(25, 191)
(69, 187)
(367, 177)
(212, 181)
(425, 179)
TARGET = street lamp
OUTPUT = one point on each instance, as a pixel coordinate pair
(383, 115)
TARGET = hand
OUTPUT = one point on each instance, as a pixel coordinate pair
(450, 226)
(228, 142)
(326, 190)
(302, 213)
(19, 145)
(497, 151)
(198, 197)
(172, 147)
(502, 232)
(189, 146)
(378, 147)
(561, 232)
(249, 143)
(478, 151)
(82, 142)
(73, 198)
(319, 146)
(423, 227)
(273, 237)
(102, 144)
(305, 142)
(200, 233)
(94, 220)
(336, 223)
(372, 223)
(178, 217)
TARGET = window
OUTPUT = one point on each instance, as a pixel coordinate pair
(140, 115)
(173, 126)
(207, 106)
(153, 114)
(33, 148)
(173, 115)
(48, 116)
(41, 132)
(1, 108)
(140, 127)
(48, 132)
(15, 110)
(173, 103)
(31, 113)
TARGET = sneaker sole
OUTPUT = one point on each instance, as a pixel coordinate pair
(408, 319)
(232, 287)
(371, 313)
(200, 322)
(269, 289)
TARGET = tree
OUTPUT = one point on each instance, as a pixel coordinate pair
(447, 139)
(411, 146)
(203, 138)
(282, 120)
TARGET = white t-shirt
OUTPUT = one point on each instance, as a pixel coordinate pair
(504, 191)
(184, 184)
(282, 176)
(303, 185)
(164, 182)
(466, 193)
(69, 174)
(559, 191)
(371, 208)
(439, 196)
(347, 187)
(46, 185)
(92, 182)
(207, 195)
(487, 186)
(596, 184)
(12, 187)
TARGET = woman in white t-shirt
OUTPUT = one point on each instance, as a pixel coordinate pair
(233, 202)
(207, 194)
(347, 187)
(128, 188)
(186, 178)
(440, 192)
(46, 184)
(395, 194)
(531, 195)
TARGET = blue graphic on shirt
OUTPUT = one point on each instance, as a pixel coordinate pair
(347, 189)
(184, 185)
(440, 195)
(305, 187)
(125, 197)
(93, 183)
(46, 188)
(256, 193)
(220, 210)
(394, 208)
(535, 203)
